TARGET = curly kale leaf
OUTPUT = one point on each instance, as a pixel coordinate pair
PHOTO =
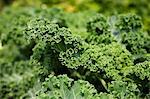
(123, 90)
(99, 30)
(126, 29)
(98, 25)
(18, 79)
(142, 70)
(50, 41)
(109, 58)
(129, 22)
(136, 42)
(58, 38)
(65, 88)
(131, 35)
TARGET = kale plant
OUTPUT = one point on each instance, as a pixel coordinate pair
(50, 54)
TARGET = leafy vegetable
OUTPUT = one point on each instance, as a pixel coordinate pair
(47, 53)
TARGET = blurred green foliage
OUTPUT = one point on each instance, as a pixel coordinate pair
(108, 7)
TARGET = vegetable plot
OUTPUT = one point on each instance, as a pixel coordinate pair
(48, 55)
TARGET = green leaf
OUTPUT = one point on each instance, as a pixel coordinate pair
(66, 88)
